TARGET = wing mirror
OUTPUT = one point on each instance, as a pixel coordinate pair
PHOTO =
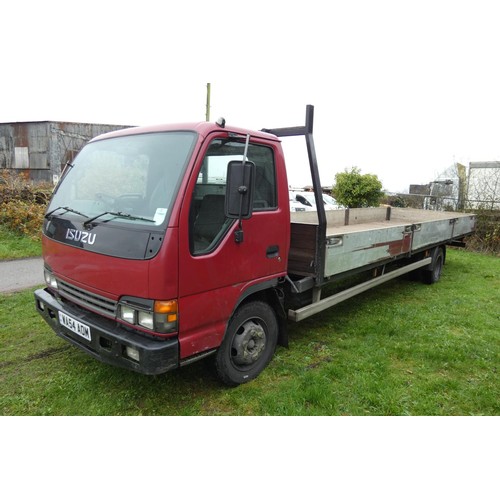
(239, 193)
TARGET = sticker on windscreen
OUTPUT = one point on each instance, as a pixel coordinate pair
(160, 215)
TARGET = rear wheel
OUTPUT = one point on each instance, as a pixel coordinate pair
(248, 345)
(432, 275)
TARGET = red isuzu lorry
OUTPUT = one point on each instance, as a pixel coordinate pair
(163, 245)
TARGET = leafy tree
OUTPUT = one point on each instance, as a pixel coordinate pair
(355, 190)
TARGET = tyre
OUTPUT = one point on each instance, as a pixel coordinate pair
(248, 345)
(432, 275)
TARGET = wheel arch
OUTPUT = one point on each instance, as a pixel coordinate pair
(271, 293)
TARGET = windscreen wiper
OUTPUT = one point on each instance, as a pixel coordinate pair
(121, 215)
(66, 209)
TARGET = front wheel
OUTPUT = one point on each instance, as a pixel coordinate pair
(249, 344)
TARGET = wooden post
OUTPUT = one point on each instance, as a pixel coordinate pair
(207, 113)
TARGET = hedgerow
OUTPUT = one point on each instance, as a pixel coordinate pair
(23, 204)
(487, 235)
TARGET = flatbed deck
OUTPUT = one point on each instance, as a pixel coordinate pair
(356, 238)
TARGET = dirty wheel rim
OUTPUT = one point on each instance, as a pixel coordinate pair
(249, 343)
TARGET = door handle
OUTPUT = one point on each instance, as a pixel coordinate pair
(273, 251)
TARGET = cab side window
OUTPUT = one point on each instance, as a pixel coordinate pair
(208, 224)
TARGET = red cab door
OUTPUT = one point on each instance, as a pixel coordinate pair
(215, 270)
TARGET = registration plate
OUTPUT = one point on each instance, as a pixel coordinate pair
(74, 325)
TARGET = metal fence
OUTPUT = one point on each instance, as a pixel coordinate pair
(460, 188)
(483, 185)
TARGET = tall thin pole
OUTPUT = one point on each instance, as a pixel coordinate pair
(207, 114)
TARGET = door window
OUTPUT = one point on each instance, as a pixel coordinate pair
(208, 224)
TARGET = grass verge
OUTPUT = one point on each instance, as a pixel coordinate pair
(16, 246)
(401, 349)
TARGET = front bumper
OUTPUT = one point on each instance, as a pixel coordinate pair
(108, 340)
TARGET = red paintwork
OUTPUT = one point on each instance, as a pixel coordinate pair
(114, 277)
(397, 247)
(211, 285)
(208, 287)
(107, 276)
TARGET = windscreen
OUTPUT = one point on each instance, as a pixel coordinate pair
(128, 180)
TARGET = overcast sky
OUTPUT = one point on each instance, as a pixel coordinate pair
(401, 89)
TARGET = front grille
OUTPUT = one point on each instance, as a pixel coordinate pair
(88, 300)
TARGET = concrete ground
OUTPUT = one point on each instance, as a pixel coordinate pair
(16, 275)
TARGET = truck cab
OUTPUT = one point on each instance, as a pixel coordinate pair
(142, 262)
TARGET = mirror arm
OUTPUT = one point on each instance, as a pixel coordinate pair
(238, 234)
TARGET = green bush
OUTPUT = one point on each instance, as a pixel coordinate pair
(355, 190)
(23, 218)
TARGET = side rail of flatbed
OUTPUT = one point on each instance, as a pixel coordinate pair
(361, 239)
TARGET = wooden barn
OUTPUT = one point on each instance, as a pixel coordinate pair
(41, 149)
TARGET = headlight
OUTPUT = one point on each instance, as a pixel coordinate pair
(158, 316)
(128, 314)
(146, 320)
(50, 279)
